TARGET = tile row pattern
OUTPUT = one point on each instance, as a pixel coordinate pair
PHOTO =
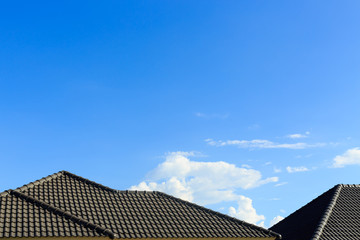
(21, 218)
(333, 215)
(344, 219)
(91, 209)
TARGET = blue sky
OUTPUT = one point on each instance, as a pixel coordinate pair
(248, 107)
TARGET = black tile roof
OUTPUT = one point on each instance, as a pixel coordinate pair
(67, 205)
(333, 215)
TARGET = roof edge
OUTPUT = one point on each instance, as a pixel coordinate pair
(5, 193)
(65, 214)
(324, 219)
(41, 180)
(58, 174)
(85, 180)
(270, 232)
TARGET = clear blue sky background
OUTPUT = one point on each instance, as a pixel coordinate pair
(106, 89)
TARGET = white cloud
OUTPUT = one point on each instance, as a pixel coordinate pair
(201, 182)
(298, 135)
(205, 182)
(246, 212)
(280, 184)
(187, 154)
(245, 166)
(261, 143)
(277, 170)
(275, 220)
(296, 169)
(350, 157)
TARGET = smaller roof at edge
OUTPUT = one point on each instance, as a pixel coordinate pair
(332, 215)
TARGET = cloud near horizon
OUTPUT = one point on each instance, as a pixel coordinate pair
(261, 143)
(206, 183)
(350, 157)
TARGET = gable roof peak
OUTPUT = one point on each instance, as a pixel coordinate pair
(64, 173)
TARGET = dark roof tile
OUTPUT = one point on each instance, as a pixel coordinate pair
(64, 204)
(332, 215)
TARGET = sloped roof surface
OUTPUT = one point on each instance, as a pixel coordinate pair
(64, 204)
(21, 218)
(333, 215)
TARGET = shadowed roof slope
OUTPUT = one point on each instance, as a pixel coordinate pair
(67, 205)
(333, 215)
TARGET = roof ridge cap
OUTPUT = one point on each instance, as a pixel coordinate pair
(327, 213)
(5, 193)
(277, 235)
(39, 181)
(61, 212)
(135, 191)
(350, 185)
(85, 180)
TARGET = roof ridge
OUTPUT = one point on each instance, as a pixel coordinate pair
(85, 180)
(135, 191)
(277, 235)
(58, 174)
(4, 193)
(61, 212)
(39, 181)
(324, 219)
(350, 185)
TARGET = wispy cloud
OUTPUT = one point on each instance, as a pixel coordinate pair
(206, 183)
(280, 184)
(350, 157)
(274, 199)
(261, 143)
(213, 115)
(304, 156)
(298, 135)
(296, 169)
(277, 170)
